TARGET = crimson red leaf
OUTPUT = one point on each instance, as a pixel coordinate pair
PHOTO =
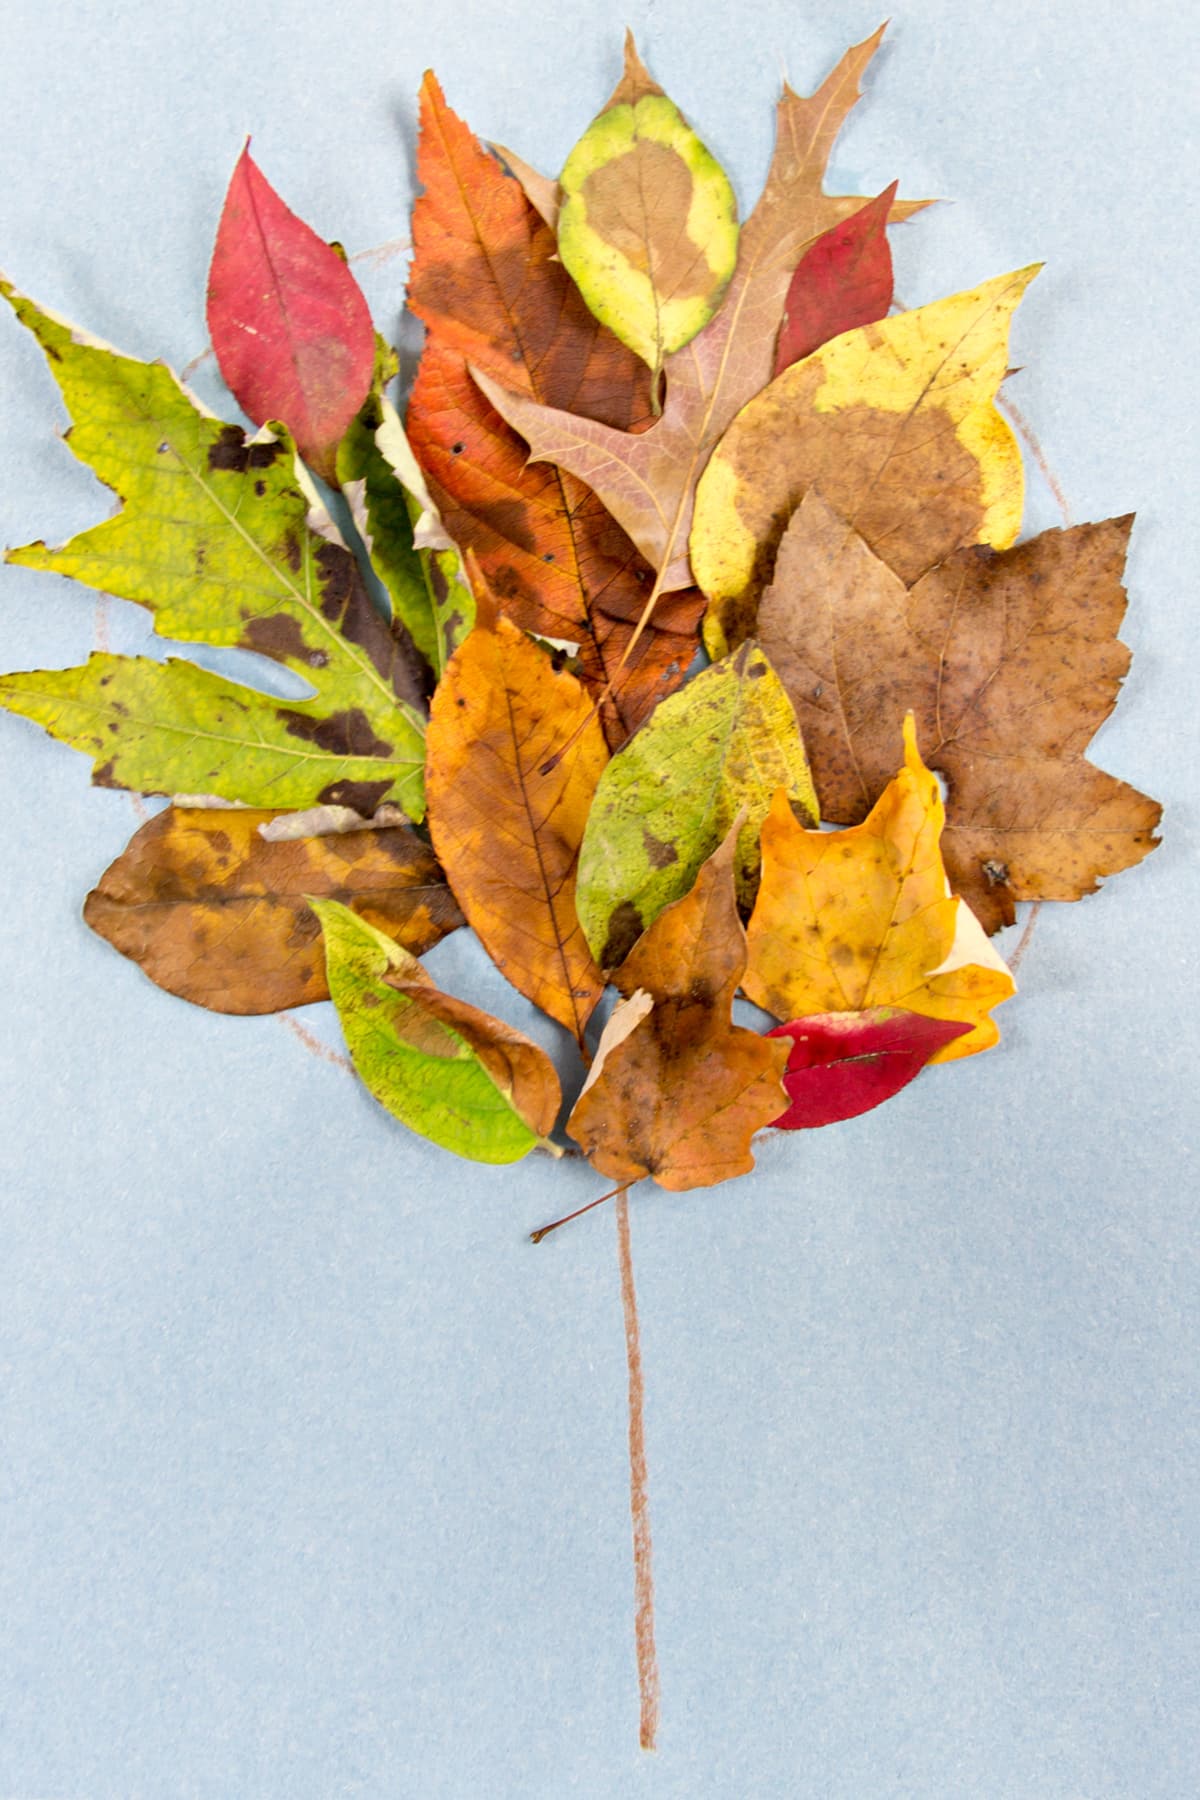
(288, 321)
(843, 1064)
(843, 281)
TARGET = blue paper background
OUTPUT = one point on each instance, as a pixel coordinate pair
(313, 1478)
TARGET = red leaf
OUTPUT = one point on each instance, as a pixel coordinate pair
(288, 321)
(843, 1064)
(842, 281)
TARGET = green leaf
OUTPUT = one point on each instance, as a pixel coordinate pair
(213, 537)
(465, 1080)
(726, 741)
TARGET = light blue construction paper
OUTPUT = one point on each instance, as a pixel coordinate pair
(313, 1472)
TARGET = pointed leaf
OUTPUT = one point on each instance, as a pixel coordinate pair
(215, 913)
(668, 798)
(681, 1090)
(844, 1064)
(897, 425)
(850, 920)
(288, 321)
(842, 281)
(446, 1070)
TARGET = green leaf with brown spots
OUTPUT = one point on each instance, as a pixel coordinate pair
(726, 742)
(648, 221)
(213, 536)
(446, 1070)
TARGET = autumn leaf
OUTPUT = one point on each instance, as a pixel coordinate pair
(679, 1092)
(215, 913)
(648, 481)
(288, 322)
(844, 1064)
(515, 752)
(1010, 662)
(487, 282)
(850, 920)
(647, 220)
(664, 803)
(897, 425)
(446, 1070)
(842, 281)
(213, 537)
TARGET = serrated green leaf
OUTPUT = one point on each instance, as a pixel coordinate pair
(213, 537)
(466, 1081)
(726, 741)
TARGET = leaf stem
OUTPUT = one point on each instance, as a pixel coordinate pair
(535, 1237)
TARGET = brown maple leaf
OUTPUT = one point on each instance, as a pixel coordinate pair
(1009, 661)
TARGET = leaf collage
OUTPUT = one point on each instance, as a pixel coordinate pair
(677, 636)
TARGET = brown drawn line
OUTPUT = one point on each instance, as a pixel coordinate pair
(324, 1051)
(639, 1498)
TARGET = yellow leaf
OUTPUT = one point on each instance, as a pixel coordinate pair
(852, 919)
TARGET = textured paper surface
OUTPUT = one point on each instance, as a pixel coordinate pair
(314, 1477)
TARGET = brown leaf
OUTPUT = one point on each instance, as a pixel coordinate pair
(508, 827)
(680, 1092)
(648, 482)
(1010, 662)
(216, 914)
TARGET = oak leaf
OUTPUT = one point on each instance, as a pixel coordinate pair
(850, 920)
(648, 481)
(216, 914)
(841, 281)
(446, 1070)
(514, 754)
(487, 283)
(680, 1093)
(896, 423)
(1009, 661)
(844, 1064)
(288, 322)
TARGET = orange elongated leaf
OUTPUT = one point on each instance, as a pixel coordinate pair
(216, 914)
(677, 1090)
(488, 285)
(288, 321)
(1009, 661)
(506, 827)
(850, 920)
(648, 481)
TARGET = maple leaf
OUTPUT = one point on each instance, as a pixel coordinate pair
(841, 281)
(288, 322)
(896, 423)
(844, 1064)
(487, 282)
(217, 914)
(1010, 662)
(719, 748)
(213, 538)
(677, 1090)
(850, 920)
(446, 1070)
(647, 220)
(514, 755)
(648, 481)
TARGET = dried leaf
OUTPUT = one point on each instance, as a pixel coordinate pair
(506, 826)
(850, 920)
(896, 423)
(446, 1070)
(680, 1095)
(487, 282)
(288, 322)
(844, 1064)
(648, 482)
(842, 281)
(214, 912)
(664, 803)
(1010, 662)
(647, 220)
(213, 537)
